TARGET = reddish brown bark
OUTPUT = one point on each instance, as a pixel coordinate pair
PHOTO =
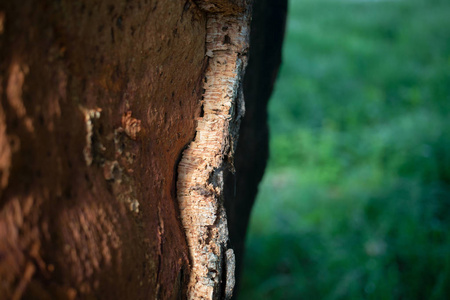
(94, 214)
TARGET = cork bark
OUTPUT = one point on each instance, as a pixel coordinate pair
(201, 170)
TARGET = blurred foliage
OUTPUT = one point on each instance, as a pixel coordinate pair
(355, 203)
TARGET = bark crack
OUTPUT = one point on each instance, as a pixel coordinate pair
(160, 251)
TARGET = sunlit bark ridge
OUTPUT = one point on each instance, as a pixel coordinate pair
(200, 172)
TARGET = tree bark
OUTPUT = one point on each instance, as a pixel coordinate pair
(105, 106)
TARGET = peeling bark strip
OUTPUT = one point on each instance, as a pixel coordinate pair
(200, 181)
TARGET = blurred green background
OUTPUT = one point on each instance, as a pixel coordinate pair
(355, 202)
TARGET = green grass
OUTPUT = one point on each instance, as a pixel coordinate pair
(355, 203)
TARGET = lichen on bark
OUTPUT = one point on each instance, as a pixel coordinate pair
(200, 173)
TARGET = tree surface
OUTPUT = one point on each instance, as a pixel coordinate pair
(100, 102)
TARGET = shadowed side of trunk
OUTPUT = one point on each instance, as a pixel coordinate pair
(266, 39)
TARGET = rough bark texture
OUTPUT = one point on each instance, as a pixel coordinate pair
(99, 99)
(200, 182)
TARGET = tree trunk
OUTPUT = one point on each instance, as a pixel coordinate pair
(119, 123)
